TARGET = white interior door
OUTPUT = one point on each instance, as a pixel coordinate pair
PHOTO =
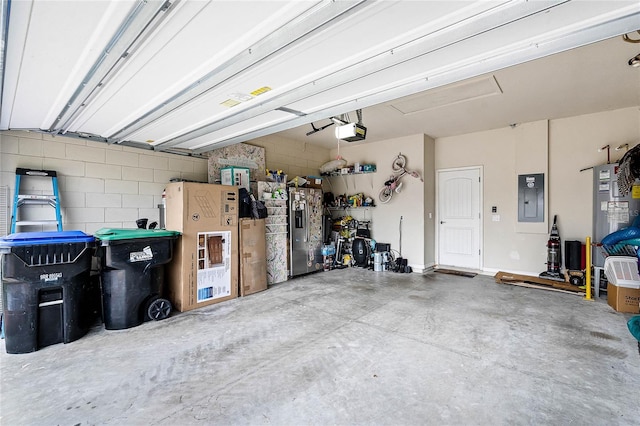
(459, 219)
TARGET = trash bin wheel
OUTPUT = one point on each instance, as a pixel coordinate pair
(159, 309)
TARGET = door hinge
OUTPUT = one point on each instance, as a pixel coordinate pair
(478, 252)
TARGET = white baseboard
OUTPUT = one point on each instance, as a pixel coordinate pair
(422, 269)
(492, 271)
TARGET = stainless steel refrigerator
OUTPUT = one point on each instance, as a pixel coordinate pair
(305, 230)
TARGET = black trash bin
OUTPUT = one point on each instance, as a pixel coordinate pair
(132, 275)
(45, 287)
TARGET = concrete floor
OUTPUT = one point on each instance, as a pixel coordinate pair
(344, 347)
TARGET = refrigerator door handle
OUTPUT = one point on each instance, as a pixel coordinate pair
(304, 217)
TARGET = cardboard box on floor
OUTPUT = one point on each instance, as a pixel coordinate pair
(623, 299)
(204, 268)
(253, 256)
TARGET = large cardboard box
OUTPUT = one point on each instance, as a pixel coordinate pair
(623, 299)
(204, 268)
(253, 256)
(235, 176)
(313, 182)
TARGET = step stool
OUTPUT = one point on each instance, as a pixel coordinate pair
(24, 200)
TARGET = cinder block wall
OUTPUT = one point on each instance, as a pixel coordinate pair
(295, 158)
(100, 185)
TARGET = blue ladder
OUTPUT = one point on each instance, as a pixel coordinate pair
(22, 200)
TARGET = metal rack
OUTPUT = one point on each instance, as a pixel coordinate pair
(276, 230)
(348, 178)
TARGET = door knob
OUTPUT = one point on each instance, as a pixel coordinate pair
(442, 221)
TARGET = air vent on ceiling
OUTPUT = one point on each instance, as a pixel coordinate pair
(449, 95)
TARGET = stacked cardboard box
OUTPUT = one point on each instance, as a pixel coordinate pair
(313, 182)
(624, 298)
(204, 269)
(253, 256)
(623, 287)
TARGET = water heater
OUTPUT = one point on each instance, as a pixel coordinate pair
(611, 210)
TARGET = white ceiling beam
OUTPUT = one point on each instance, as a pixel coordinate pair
(316, 17)
(4, 30)
(473, 23)
(309, 58)
(562, 39)
(141, 21)
(20, 13)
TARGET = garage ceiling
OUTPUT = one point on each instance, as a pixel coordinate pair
(191, 76)
(584, 80)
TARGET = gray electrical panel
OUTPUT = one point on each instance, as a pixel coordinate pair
(611, 210)
(531, 197)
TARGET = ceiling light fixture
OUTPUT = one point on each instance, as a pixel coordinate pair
(635, 61)
(352, 132)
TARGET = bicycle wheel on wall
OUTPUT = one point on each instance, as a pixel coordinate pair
(385, 194)
(398, 163)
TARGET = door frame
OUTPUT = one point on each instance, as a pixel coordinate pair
(480, 169)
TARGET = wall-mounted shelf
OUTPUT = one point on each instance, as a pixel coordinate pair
(350, 208)
(360, 212)
(349, 179)
(334, 174)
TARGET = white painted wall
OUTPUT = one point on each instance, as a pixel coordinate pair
(409, 204)
(572, 145)
(100, 185)
(296, 158)
(107, 185)
(506, 244)
(429, 212)
(111, 185)
(559, 148)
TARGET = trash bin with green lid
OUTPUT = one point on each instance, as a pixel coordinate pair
(132, 275)
(45, 282)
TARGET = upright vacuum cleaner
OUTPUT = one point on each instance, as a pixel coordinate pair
(554, 257)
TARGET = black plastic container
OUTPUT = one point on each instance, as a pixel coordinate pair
(360, 252)
(45, 288)
(132, 275)
(573, 255)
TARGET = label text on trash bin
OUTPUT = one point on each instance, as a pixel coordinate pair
(141, 256)
(50, 277)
